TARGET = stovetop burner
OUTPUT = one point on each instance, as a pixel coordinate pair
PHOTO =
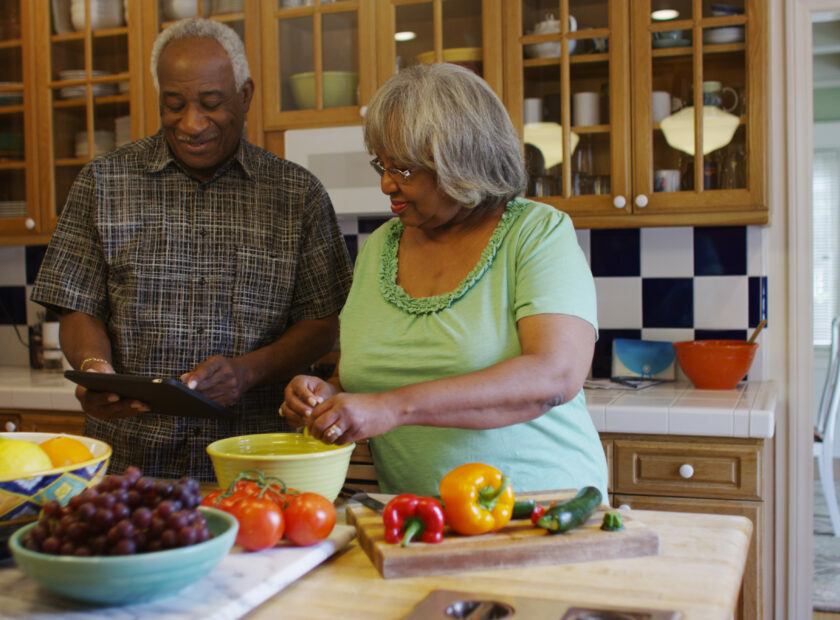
(450, 604)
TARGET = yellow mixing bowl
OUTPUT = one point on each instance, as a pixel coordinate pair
(302, 462)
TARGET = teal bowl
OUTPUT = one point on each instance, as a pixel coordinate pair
(119, 580)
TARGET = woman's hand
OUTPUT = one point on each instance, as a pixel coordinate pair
(345, 418)
(303, 393)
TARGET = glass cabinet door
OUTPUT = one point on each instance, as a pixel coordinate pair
(317, 57)
(696, 129)
(463, 32)
(88, 84)
(19, 212)
(570, 96)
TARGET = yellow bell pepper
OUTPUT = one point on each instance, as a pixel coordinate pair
(477, 499)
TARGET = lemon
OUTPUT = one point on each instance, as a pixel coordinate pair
(20, 458)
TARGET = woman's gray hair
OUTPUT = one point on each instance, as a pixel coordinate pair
(446, 119)
(210, 29)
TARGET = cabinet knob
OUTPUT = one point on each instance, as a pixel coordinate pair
(641, 200)
(29, 223)
(619, 202)
(686, 471)
(624, 507)
(10, 426)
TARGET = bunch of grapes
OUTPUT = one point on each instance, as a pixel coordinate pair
(122, 515)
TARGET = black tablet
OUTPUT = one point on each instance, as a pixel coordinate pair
(164, 396)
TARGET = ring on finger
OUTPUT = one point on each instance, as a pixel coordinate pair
(333, 432)
(280, 411)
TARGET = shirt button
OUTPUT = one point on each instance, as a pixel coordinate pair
(200, 330)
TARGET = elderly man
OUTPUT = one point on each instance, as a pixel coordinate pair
(194, 254)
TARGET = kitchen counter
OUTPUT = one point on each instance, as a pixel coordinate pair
(24, 388)
(698, 572)
(665, 409)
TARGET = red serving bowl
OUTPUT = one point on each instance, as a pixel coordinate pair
(715, 364)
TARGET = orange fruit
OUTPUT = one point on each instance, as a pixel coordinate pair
(64, 450)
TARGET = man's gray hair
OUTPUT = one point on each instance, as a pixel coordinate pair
(210, 29)
(448, 120)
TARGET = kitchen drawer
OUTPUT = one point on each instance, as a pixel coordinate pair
(39, 421)
(704, 469)
(9, 422)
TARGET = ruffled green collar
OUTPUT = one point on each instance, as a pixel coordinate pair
(395, 294)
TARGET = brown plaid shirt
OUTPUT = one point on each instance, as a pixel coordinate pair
(181, 270)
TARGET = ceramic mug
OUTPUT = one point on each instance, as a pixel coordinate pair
(666, 180)
(586, 109)
(660, 105)
(713, 93)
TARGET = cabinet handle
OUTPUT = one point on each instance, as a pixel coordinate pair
(641, 201)
(624, 507)
(619, 202)
(10, 426)
(686, 471)
(29, 223)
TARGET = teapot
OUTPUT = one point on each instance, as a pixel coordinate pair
(548, 26)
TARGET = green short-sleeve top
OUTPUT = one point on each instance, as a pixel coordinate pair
(531, 265)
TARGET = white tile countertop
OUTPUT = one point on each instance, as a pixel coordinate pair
(665, 409)
(24, 388)
(681, 409)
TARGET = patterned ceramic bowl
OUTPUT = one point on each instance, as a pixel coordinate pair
(21, 499)
(301, 461)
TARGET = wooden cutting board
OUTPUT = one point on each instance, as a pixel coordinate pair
(517, 544)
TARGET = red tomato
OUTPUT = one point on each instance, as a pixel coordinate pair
(217, 499)
(211, 498)
(310, 518)
(261, 522)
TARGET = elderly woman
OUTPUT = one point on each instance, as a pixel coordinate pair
(471, 321)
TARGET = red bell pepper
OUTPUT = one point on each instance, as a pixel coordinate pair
(407, 515)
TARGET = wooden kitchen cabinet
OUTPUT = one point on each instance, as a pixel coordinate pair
(318, 65)
(90, 84)
(707, 475)
(599, 154)
(19, 196)
(47, 421)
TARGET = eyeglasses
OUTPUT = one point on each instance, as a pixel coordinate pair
(402, 175)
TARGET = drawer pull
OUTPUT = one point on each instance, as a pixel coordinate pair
(686, 471)
(10, 426)
(624, 507)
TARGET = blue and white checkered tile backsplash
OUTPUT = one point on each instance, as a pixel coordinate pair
(653, 283)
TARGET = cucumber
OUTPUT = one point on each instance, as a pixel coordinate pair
(523, 508)
(572, 513)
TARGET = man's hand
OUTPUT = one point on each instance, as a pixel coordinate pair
(106, 405)
(219, 378)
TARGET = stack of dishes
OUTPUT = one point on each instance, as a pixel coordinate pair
(103, 14)
(103, 141)
(12, 208)
(122, 129)
(724, 34)
(11, 98)
(78, 92)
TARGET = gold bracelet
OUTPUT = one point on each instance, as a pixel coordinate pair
(93, 359)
